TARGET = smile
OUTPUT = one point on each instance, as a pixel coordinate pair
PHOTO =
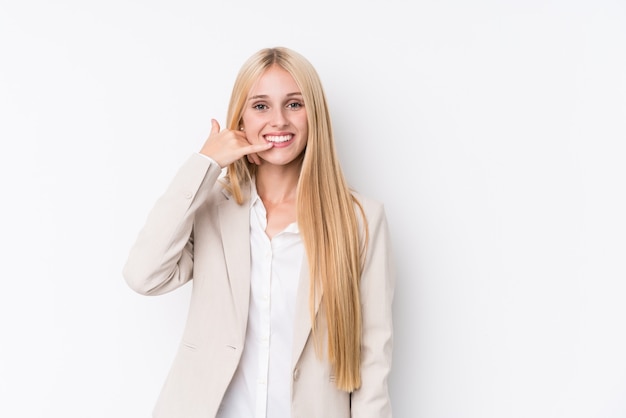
(278, 139)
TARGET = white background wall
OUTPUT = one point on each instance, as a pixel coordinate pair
(493, 131)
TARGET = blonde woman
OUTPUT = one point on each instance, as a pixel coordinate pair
(290, 314)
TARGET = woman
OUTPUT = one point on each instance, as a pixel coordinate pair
(290, 314)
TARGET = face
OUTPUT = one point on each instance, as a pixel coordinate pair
(274, 112)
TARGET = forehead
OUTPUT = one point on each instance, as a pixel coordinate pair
(274, 81)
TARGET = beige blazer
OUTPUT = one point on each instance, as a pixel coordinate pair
(197, 230)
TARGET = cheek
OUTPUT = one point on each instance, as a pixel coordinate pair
(249, 116)
(302, 123)
(250, 124)
(245, 120)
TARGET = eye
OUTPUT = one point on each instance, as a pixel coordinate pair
(295, 105)
(260, 106)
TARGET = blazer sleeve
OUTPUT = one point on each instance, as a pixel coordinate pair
(161, 259)
(372, 399)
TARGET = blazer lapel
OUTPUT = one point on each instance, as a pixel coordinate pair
(235, 228)
(302, 321)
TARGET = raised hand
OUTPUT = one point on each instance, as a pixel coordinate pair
(227, 146)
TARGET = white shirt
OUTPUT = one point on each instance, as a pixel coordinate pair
(261, 386)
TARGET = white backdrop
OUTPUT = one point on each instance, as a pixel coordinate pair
(493, 131)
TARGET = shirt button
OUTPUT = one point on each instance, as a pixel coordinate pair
(296, 374)
(188, 195)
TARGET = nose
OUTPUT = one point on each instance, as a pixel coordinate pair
(278, 117)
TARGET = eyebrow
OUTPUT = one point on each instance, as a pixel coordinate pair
(265, 96)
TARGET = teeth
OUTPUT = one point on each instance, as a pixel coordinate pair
(281, 138)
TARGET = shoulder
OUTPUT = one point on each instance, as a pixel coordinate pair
(372, 208)
(371, 217)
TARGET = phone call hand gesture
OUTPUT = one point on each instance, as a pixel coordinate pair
(227, 146)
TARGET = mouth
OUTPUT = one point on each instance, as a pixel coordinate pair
(278, 139)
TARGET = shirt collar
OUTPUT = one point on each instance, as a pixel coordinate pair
(254, 196)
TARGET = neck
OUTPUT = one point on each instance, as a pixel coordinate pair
(277, 185)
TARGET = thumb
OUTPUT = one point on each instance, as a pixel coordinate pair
(215, 127)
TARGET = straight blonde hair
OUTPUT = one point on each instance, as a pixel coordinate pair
(326, 213)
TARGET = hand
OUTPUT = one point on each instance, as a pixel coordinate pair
(227, 146)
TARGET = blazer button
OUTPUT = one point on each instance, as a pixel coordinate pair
(296, 374)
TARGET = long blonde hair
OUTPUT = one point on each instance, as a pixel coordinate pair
(326, 212)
